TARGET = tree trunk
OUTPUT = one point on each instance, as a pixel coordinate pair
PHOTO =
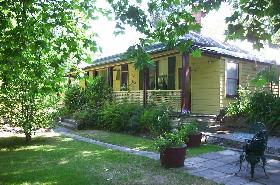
(27, 137)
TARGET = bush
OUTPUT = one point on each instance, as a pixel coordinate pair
(85, 103)
(265, 107)
(121, 117)
(257, 107)
(133, 118)
(97, 93)
(241, 106)
(74, 99)
(85, 118)
(156, 120)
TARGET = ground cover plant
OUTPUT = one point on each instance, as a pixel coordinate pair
(59, 160)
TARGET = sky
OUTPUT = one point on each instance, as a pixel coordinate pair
(213, 25)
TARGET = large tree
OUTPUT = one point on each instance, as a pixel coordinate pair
(39, 40)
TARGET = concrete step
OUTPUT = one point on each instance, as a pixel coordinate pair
(68, 120)
(72, 125)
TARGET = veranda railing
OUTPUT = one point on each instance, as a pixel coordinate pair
(158, 97)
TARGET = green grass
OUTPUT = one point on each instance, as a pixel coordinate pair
(139, 143)
(58, 160)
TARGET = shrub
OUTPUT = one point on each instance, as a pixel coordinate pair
(241, 106)
(265, 107)
(156, 120)
(85, 118)
(85, 103)
(121, 117)
(260, 106)
(74, 99)
(97, 93)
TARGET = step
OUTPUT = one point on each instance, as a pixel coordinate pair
(68, 120)
(72, 126)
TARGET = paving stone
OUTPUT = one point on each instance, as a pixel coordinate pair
(194, 160)
(229, 153)
(229, 159)
(253, 183)
(273, 162)
(212, 163)
(194, 168)
(212, 155)
(274, 179)
(235, 180)
(228, 169)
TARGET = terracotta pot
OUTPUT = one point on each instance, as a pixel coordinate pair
(173, 157)
(194, 140)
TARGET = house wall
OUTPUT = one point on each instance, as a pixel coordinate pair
(205, 85)
(247, 71)
(207, 80)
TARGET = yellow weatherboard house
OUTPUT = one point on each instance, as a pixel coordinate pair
(201, 85)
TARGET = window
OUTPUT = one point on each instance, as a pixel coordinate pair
(124, 77)
(152, 78)
(232, 79)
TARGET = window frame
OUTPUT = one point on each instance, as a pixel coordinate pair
(237, 79)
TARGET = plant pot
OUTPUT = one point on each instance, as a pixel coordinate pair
(194, 140)
(173, 157)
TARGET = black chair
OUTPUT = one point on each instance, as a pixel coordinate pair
(253, 150)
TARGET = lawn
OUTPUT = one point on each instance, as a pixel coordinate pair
(59, 160)
(139, 143)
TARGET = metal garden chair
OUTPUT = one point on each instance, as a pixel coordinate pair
(253, 150)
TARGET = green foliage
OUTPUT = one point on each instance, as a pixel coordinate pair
(265, 107)
(241, 105)
(188, 129)
(257, 107)
(254, 20)
(28, 110)
(85, 118)
(156, 119)
(121, 117)
(74, 99)
(132, 118)
(266, 76)
(169, 140)
(86, 103)
(97, 93)
(39, 41)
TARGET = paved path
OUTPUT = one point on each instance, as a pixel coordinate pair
(241, 136)
(217, 166)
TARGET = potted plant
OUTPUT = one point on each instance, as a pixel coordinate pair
(172, 150)
(190, 134)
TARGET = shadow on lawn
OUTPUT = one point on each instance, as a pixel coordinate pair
(50, 160)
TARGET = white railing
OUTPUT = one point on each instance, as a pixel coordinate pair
(158, 97)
